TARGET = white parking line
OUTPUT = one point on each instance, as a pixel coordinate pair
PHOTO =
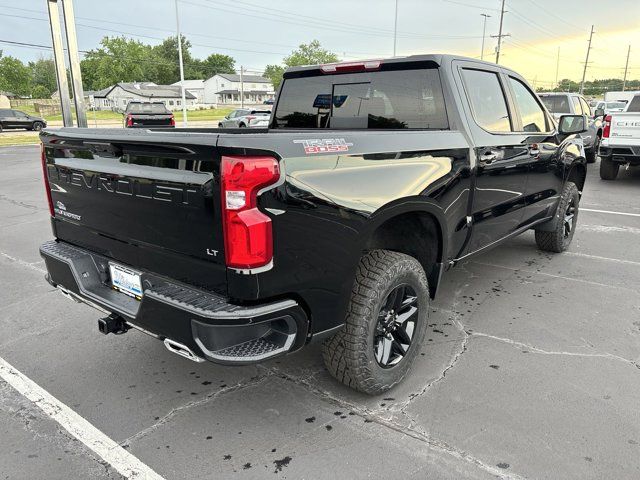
(610, 212)
(606, 259)
(110, 451)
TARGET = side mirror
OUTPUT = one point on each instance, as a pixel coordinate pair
(599, 112)
(572, 124)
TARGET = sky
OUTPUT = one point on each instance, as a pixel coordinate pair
(261, 33)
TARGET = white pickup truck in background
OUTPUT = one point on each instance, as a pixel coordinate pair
(620, 140)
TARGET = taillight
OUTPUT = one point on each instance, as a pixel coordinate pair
(350, 66)
(248, 239)
(129, 121)
(45, 173)
(607, 127)
(172, 121)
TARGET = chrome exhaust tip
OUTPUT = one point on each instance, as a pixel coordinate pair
(182, 350)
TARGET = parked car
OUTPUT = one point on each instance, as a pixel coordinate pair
(621, 140)
(334, 225)
(605, 108)
(10, 118)
(261, 121)
(574, 104)
(269, 101)
(240, 118)
(148, 114)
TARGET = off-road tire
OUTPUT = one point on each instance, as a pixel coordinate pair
(349, 355)
(608, 169)
(555, 240)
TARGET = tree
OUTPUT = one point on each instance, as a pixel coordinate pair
(168, 66)
(118, 60)
(43, 78)
(307, 54)
(217, 63)
(39, 91)
(15, 76)
(310, 54)
(274, 74)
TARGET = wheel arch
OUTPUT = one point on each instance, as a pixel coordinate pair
(577, 173)
(416, 227)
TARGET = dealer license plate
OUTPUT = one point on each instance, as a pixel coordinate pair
(126, 280)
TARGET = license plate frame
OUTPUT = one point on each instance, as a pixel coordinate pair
(126, 280)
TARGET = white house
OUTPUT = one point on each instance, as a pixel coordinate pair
(119, 95)
(194, 87)
(224, 89)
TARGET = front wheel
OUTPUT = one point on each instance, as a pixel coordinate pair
(559, 239)
(385, 325)
(37, 126)
(608, 169)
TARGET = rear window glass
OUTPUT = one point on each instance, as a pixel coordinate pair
(147, 108)
(368, 100)
(556, 103)
(634, 106)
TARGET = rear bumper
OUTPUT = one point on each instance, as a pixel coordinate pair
(623, 154)
(209, 325)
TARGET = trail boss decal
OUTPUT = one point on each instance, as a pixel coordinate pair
(324, 145)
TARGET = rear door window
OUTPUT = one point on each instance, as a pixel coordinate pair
(634, 106)
(400, 99)
(577, 108)
(586, 109)
(487, 100)
(556, 103)
(531, 113)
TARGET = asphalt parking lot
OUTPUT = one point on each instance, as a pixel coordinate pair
(531, 370)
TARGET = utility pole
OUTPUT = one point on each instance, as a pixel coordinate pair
(184, 100)
(500, 33)
(395, 30)
(586, 62)
(58, 56)
(241, 87)
(74, 62)
(557, 66)
(484, 33)
(626, 68)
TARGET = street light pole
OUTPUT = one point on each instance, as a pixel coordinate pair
(58, 56)
(184, 101)
(484, 33)
(626, 68)
(586, 62)
(74, 62)
(500, 34)
(395, 30)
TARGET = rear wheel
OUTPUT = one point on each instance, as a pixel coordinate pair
(608, 169)
(385, 325)
(220, 125)
(559, 239)
(242, 125)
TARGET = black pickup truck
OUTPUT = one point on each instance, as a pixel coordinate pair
(334, 224)
(148, 114)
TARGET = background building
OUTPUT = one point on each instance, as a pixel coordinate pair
(224, 89)
(194, 87)
(119, 95)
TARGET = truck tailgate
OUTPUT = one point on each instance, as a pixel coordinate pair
(151, 202)
(625, 129)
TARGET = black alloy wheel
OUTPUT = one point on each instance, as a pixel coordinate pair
(569, 219)
(396, 326)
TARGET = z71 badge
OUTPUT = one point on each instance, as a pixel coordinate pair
(324, 145)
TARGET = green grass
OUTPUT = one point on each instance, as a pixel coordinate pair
(9, 139)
